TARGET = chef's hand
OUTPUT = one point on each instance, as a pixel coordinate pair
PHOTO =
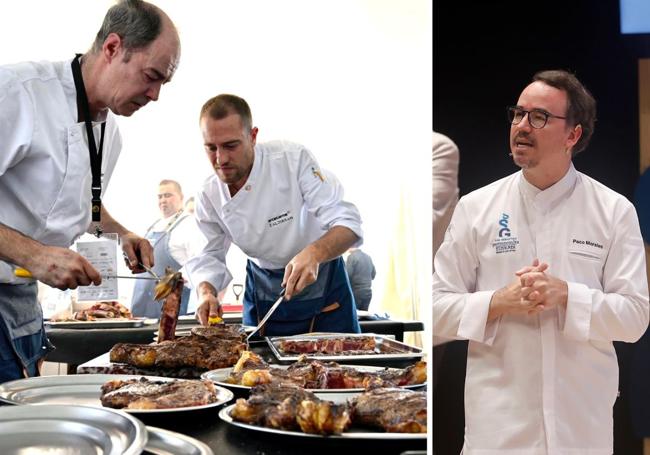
(209, 305)
(543, 290)
(513, 298)
(62, 268)
(300, 272)
(136, 250)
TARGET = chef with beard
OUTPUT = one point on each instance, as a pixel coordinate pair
(273, 201)
(542, 271)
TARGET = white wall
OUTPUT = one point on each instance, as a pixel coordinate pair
(350, 79)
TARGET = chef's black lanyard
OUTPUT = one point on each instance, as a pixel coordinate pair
(95, 155)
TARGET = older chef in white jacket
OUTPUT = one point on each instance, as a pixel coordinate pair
(47, 110)
(273, 202)
(542, 374)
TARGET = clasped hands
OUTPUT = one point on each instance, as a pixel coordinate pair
(532, 291)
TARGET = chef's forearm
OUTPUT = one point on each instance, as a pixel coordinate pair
(333, 243)
(206, 288)
(15, 247)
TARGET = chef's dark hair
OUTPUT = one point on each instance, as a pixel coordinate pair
(138, 23)
(581, 105)
(221, 106)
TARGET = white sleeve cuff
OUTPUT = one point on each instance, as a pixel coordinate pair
(577, 319)
(474, 325)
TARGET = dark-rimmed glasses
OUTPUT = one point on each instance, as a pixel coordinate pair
(537, 118)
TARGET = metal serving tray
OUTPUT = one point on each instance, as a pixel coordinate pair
(83, 389)
(108, 323)
(386, 348)
(64, 429)
(220, 375)
(165, 442)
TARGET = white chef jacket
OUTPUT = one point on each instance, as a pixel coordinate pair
(184, 239)
(286, 204)
(542, 384)
(45, 174)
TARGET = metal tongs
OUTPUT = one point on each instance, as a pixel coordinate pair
(166, 283)
(267, 316)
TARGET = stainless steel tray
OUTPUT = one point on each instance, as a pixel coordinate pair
(224, 414)
(97, 324)
(64, 429)
(165, 442)
(83, 389)
(220, 375)
(386, 348)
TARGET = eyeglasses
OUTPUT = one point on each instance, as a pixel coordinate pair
(537, 118)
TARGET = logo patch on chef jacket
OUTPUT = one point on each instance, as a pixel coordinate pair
(317, 173)
(506, 241)
(280, 219)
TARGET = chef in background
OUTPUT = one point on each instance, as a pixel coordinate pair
(175, 238)
(273, 201)
(46, 109)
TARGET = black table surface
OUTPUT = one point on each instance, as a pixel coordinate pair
(76, 346)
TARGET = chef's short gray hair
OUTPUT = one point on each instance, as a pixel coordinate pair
(137, 23)
(221, 106)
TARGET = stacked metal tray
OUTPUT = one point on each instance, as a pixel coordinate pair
(386, 348)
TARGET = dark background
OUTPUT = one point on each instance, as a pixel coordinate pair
(485, 53)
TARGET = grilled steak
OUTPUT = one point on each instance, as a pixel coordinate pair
(338, 345)
(170, 308)
(193, 351)
(290, 407)
(251, 370)
(229, 332)
(394, 410)
(145, 394)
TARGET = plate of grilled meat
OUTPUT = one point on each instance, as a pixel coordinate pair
(99, 315)
(340, 346)
(314, 375)
(378, 413)
(134, 394)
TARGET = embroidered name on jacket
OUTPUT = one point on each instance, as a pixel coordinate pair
(505, 242)
(281, 218)
(587, 243)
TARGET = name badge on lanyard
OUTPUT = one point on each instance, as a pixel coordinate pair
(102, 254)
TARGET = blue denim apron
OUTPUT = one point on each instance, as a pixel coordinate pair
(310, 311)
(142, 302)
(23, 342)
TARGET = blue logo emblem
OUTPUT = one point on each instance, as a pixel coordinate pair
(503, 222)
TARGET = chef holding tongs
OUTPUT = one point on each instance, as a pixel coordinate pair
(59, 143)
(274, 202)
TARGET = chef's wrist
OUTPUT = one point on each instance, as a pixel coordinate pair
(206, 288)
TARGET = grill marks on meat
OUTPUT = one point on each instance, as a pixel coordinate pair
(169, 314)
(289, 407)
(193, 351)
(145, 394)
(227, 332)
(340, 345)
(394, 410)
(252, 370)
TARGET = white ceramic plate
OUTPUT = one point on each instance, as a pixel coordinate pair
(224, 414)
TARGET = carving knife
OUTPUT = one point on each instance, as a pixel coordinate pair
(268, 315)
